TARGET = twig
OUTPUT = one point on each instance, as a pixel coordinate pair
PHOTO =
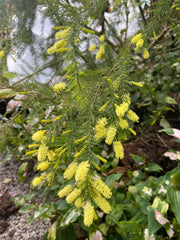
(159, 36)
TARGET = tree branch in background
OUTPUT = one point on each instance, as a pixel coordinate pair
(141, 11)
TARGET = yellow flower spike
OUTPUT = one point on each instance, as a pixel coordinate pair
(102, 203)
(88, 214)
(50, 178)
(145, 54)
(118, 149)
(70, 171)
(155, 37)
(102, 188)
(51, 50)
(62, 34)
(103, 107)
(51, 155)
(82, 171)
(111, 133)
(42, 152)
(102, 38)
(101, 131)
(132, 131)
(137, 84)
(132, 116)
(65, 191)
(2, 54)
(38, 136)
(61, 50)
(37, 181)
(59, 87)
(102, 159)
(79, 203)
(121, 109)
(96, 166)
(60, 44)
(116, 95)
(43, 166)
(78, 40)
(79, 140)
(92, 47)
(139, 44)
(100, 52)
(136, 38)
(73, 195)
(86, 31)
(123, 123)
(61, 153)
(79, 153)
(31, 152)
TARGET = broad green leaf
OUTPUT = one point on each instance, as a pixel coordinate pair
(7, 93)
(52, 232)
(161, 206)
(129, 226)
(21, 172)
(70, 216)
(153, 225)
(61, 205)
(9, 75)
(170, 100)
(142, 204)
(153, 167)
(164, 123)
(66, 233)
(169, 131)
(176, 179)
(112, 178)
(174, 200)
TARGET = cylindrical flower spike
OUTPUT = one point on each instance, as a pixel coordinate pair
(82, 171)
(65, 191)
(88, 214)
(70, 171)
(73, 195)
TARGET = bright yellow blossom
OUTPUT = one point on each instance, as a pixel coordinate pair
(123, 123)
(59, 87)
(65, 191)
(33, 145)
(38, 136)
(63, 33)
(118, 149)
(132, 116)
(100, 52)
(88, 214)
(92, 47)
(100, 128)
(79, 202)
(133, 132)
(31, 152)
(36, 181)
(43, 166)
(139, 44)
(111, 133)
(145, 54)
(73, 195)
(79, 140)
(82, 171)
(136, 38)
(51, 50)
(102, 203)
(51, 155)
(70, 171)
(103, 107)
(2, 54)
(42, 152)
(102, 38)
(121, 109)
(102, 188)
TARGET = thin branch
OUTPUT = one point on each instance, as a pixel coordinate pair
(141, 11)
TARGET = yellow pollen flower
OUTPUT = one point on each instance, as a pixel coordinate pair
(92, 47)
(50, 178)
(132, 116)
(133, 132)
(60, 44)
(38, 136)
(33, 145)
(118, 149)
(88, 214)
(111, 133)
(73, 195)
(65, 191)
(51, 50)
(79, 203)
(79, 140)
(145, 54)
(42, 152)
(123, 123)
(103, 107)
(31, 152)
(102, 38)
(60, 50)
(102, 159)
(137, 84)
(51, 155)
(121, 109)
(43, 166)
(63, 33)
(139, 44)
(79, 153)
(102, 203)
(59, 87)
(136, 38)
(2, 54)
(102, 188)
(36, 181)
(100, 52)
(82, 171)
(101, 131)
(70, 171)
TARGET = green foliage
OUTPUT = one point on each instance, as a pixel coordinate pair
(74, 129)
